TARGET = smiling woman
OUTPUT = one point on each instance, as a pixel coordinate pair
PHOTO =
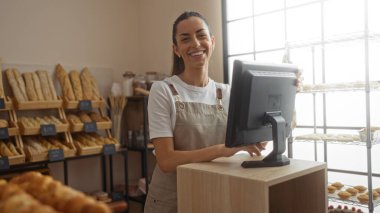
(187, 112)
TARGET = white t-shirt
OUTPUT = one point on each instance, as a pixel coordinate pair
(161, 103)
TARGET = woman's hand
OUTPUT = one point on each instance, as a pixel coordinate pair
(253, 149)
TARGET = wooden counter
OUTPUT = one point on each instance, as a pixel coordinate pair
(223, 186)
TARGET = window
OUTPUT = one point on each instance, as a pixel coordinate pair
(333, 42)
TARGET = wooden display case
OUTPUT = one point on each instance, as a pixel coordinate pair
(223, 186)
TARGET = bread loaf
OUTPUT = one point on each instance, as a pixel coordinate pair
(84, 117)
(94, 85)
(86, 84)
(20, 83)
(4, 150)
(14, 86)
(67, 90)
(76, 84)
(29, 84)
(42, 75)
(96, 117)
(3, 123)
(37, 86)
(51, 86)
(73, 119)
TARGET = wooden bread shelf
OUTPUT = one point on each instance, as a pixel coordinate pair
(75, 104)
(37, 130)
(79, 127)
(38, 104)
(8, 104)
(43, 156)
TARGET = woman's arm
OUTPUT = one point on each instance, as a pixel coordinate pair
(168, 159)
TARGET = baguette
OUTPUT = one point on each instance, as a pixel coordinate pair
(51, 86)
(30, 91)
(20, 83)
(94, 85)
(76, 84)
(13, 83)
(67, 90)
(4, 150)
(86, 84)
(45, 85)
(37, 86)
(12, 148)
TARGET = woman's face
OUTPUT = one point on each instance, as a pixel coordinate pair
(194, 43)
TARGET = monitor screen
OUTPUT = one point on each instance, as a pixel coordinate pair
(261, 107)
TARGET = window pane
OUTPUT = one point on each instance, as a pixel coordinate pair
(271, 57)
(240, 10)
(290, 3)
(342, 16)
(374, 16)
(345, 109)
(306, 28)
(306, 58)
(261, 6)
(269, 31)
(345, 62)
(248, 57)
(305, 111)
(374, 62)
(240, 36)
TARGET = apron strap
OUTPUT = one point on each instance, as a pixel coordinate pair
(219, 97)
(177, 98)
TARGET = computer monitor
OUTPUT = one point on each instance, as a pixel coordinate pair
(261, 108)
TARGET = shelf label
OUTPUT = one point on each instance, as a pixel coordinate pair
(109, 149)
(4, 133)
(90, 127)
(85, 105)
(48, 130)
(117, 196)
(2, 103)
(55, 154)
(4, 163)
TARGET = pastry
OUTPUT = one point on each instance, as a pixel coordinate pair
(76, 84)
(360, 188)
(42, 75)
(3, 123)
(352, 191)
(363, 198)
(84, 117)
(86, 84)
(337, 185)
(375, 195)
(377, 190)
(37, 86)
(344, 195)
(331, 189)
(67, 90)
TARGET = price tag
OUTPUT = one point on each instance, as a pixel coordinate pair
(55, 154)
(109, 149)
(117, 196)
(4, 163)
(48, 130)
(85, 105)
(90, 127)
(4, 133)
(2, 103)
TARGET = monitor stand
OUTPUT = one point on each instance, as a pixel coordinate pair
(275, 158)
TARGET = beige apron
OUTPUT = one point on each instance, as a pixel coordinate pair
(197, 126)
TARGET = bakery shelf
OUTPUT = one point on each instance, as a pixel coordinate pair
(79, 127)
(38, 104)
(37, 130)
(347, 139)
(75, 104)
(352, 200)
(8, 104)
(340, 87)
